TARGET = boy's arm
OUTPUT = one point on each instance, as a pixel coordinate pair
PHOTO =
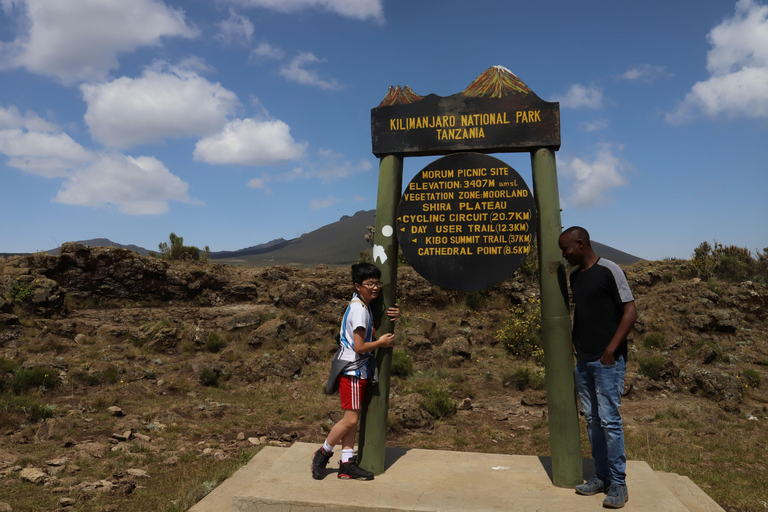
(361, 347)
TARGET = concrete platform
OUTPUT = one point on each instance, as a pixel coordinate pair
(279, 480)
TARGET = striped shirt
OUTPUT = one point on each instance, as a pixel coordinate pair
(356, 316)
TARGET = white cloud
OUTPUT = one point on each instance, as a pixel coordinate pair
(267, 51)
(167, 101)
(333, 166)
(12, 118)
(76, 40)
(136, 186)
(327, 167)
(236, 29)
(356, 9)
(581, 96)
(644, 73)
(43, 153)
(738, 67)
(295, 71)
(321, 204)
(591, 181)
(260, 184)
(594, 125)
(251, 142)
(141, 185)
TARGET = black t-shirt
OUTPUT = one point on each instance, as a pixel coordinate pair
(599, 294)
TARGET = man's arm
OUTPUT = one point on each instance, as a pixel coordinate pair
(625, 326)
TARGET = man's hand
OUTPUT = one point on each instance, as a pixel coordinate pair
(607, 359)
(394, 312)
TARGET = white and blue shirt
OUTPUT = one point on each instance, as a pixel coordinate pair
(356, 316)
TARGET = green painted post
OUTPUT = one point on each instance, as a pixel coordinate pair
(373, 423)
(564, 438)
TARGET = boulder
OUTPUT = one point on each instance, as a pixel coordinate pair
(406, 413)
(458, 346)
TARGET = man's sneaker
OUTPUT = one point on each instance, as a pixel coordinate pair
(616, 496)
(592, 486)
(350, 470)
(319, 462)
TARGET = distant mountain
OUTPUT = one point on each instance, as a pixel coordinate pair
(615, 255)
(251, 251)
(338, 243)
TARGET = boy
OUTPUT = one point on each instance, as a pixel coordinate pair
(603, 317)
(353, 366)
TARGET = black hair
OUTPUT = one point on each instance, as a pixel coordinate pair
(577, 232)
(363, 271)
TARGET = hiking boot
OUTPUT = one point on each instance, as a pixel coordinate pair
(350, 470)
(319, 462)
(616, 496)
(592, 486)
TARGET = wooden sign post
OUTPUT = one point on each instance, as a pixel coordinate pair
(466, 222)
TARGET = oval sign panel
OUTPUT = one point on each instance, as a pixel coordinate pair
(466, 221)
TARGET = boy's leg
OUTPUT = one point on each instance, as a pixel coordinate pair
(352, 391)
(344, 429)
(351, 402)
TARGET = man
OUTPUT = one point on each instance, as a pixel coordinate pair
(604, 315)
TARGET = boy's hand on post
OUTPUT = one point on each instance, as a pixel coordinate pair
(394, 312)
(387, 340)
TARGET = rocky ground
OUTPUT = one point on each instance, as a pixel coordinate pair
(156, 379)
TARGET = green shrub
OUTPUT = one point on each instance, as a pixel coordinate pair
(524, 378)
(85, 378)
(111, 374)
(402, 364)
(521, 332)
(714, 287)
(8, 365)
(176, 250)
(27, 409)
(731, 263)
(437, 401)
(209, 377)
(752, 377)
(365, 257)
(530, 266)
(655, 340)
(650, 366)
(214, 343)
(41, 377)
(20, 290)
(473, 300)
(667, 277)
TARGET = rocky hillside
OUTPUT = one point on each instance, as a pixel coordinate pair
(132, 383)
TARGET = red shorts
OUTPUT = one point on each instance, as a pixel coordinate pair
(352, 391)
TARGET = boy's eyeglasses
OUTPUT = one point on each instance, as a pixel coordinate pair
(372, 285)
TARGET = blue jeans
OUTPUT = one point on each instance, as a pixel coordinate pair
(600, 388)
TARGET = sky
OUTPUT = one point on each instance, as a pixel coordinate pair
(235, 122)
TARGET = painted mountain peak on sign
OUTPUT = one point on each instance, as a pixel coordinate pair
(495, 82)
(400, 96)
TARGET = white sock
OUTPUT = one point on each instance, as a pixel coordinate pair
(346, 454)
(328, 448)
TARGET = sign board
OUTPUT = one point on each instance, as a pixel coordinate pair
(466, 221)
(496, 113)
